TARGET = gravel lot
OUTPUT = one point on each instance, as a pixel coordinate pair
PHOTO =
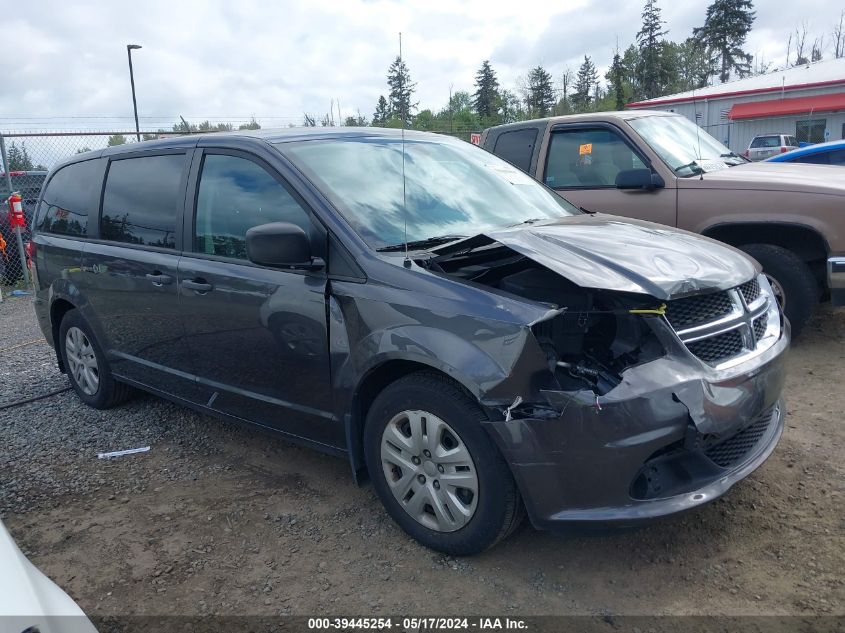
(223, 519)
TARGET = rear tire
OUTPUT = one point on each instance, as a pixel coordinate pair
(472, 522)
(799, 287)
(86, 365)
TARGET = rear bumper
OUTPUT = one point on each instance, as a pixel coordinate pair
(836, 280)
(671, 437)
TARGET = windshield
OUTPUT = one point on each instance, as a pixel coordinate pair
(684, 147)
(452, 188)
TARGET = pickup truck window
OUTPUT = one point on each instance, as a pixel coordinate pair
(516, 147)
(588, 158)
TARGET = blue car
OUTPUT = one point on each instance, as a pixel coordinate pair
(830, 153)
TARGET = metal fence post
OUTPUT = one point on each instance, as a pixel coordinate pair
(8, 171)
(6, 168)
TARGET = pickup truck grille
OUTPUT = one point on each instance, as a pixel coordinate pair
(724, 326)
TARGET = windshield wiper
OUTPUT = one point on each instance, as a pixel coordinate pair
(418, 244)
(691, 165)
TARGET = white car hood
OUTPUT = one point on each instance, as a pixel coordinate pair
(29, 599)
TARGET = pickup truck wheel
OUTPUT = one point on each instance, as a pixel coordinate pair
(86, 365)
(435, 469)
(794, 285)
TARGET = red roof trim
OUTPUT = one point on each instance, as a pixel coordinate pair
(797, 105)
(736, 93)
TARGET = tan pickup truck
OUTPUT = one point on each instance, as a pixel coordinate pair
(661, 167)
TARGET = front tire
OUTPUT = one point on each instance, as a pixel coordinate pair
(86, 365)
(795, 286)
(435, 469)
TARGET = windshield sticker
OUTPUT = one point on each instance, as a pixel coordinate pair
(586, 148)
(710, 164)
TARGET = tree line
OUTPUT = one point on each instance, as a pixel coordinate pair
(651, 66)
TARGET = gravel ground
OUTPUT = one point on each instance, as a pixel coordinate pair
(222, 519)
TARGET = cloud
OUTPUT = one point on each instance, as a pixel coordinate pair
(226, 60)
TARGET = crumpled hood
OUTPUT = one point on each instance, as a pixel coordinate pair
(772, 176)
(611, 253)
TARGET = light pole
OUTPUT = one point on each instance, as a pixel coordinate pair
(129, 49)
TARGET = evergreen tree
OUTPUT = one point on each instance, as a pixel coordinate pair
(652, 72)
(382, 113)
(723, 35)
(19, 159)
(615, 79)
(116, 139)
(356, 121)
(485, 100)
(630, 72)
(584, 82)
(540, 97)
(690, 65)
(252, 124)
(401, 90)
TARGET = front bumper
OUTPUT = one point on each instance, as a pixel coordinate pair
(836, 280)
(673, 435)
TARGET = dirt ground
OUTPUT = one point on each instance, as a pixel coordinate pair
(223, 519)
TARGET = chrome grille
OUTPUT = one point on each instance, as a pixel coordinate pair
(698, 309)
(732, 450)
(721, 328)
(760, 324)
(750, 290)
(718, 348)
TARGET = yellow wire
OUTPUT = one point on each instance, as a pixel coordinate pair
(660, 311)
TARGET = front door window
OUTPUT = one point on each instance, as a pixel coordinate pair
(588, 158)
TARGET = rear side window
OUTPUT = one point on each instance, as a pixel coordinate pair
(236, 194)
(141, 200)
(517, 147)
(72, 195)
(820, 158)
(766, 141)
(792, 141)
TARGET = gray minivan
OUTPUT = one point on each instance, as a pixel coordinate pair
(472, 343)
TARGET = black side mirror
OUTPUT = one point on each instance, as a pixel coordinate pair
(638, 179)
(281, 244)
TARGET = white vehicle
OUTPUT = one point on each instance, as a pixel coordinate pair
(29, 601)
(766, 145)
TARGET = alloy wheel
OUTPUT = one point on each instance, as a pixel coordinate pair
(429, 470)
(81, 360)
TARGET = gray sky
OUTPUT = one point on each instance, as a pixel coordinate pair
(275, 60)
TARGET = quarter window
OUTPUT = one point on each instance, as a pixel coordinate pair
(588, 158)
(517, 147)
(141, 200)
(236, 194)
(72, 194)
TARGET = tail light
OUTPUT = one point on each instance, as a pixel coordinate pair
(29, 249)
(783, 150)
(745, 153)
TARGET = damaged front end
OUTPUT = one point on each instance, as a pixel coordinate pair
(648, 404)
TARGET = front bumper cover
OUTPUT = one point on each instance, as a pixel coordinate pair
(581, 458)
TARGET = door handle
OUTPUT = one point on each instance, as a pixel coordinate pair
(159, 279)
(197, 285)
